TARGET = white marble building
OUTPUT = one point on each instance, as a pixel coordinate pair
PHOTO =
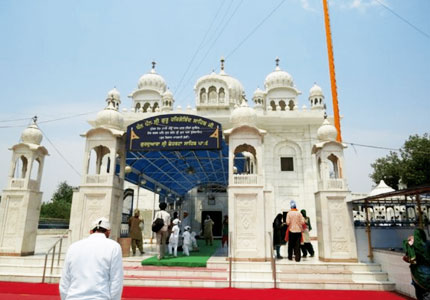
(290, 150)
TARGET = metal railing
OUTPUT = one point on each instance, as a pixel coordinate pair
(272, 260)
(60, 240)
(230, 258)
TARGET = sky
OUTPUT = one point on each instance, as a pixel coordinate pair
(58, 59)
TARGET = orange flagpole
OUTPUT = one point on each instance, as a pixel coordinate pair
(332, 72)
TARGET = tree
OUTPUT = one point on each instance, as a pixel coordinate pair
(60, 204)
(412, 166)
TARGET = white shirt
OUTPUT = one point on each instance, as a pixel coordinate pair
(187, 239)
(162, 214)
(174, 236)
(92, 270)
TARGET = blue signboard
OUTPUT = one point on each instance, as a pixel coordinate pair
(174, 132)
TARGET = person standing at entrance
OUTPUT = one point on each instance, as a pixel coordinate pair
(207, 230)
(161, 235)
(93, 266)
(295, 222)
(174, 238)
(307, 246)
(277, 235)
(135, 224)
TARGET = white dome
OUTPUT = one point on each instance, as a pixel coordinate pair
(258, 94)
(110, 118)
(278, 78)
(243, 115)
(315, 91)
(113, 94)
(327, 132)
(32, 135)
(234, 86)
(168, 95)
(381, 188)
(152, 81)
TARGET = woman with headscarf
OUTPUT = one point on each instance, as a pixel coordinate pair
(277, 235)
(307, 246)
(417, 250)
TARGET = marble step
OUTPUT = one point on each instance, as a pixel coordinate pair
(173, 271)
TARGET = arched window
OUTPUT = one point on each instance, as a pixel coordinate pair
(320, 100)
(203, 96)
(35, 169)
(273, 105)
(291, 104)
(21, 165)
(146, 107)
(334, 166)
(245, 159)
(137, 107)
(98, 161)
(221, 95)
(282, 105)
(154, 108)
(212, 94)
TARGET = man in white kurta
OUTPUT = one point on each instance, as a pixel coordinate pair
(93, 267)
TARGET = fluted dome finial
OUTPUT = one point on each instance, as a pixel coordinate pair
(222, 63)
(153, 67)
(277, 63)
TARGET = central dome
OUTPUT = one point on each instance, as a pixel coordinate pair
(152, 81)
(278, 78)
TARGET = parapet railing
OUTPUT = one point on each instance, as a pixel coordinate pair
(52, 249)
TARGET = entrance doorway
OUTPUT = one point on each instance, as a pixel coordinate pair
(216, 216)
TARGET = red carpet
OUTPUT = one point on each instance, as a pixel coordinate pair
(32, 291)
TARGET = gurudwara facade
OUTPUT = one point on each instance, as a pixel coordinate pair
(285, 146)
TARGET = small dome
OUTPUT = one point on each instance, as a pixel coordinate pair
(278, 78)
(258, 94)
(110, 118)
(315, 91)
(113, 94)
(32, 135)
(327, 132)
(168, 94)
(152, 81)
(381, 188)
(243, 115)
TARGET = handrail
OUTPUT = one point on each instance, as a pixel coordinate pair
(60, 240)
(272, 261)
(230, 258)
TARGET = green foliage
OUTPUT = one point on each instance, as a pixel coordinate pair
(60, 204)
(412, 165)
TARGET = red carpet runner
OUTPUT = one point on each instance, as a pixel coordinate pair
(32, 291)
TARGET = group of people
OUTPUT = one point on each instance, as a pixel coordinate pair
(175, 235)
(294, 231)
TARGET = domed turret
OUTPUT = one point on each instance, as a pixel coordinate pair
(218, 90)
(316, 97)
(114, 97)
(152, 81)
(278, 78)
(110, 118)
(150, 89)
(258, 97)
(32, 134)
(281, 93)
(327, 132)
(243, 115)
(167, 101)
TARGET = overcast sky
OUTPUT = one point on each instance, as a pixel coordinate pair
(60, 58)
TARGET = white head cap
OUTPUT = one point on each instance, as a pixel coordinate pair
(101, 223)
(175, 221)
(187, 228)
